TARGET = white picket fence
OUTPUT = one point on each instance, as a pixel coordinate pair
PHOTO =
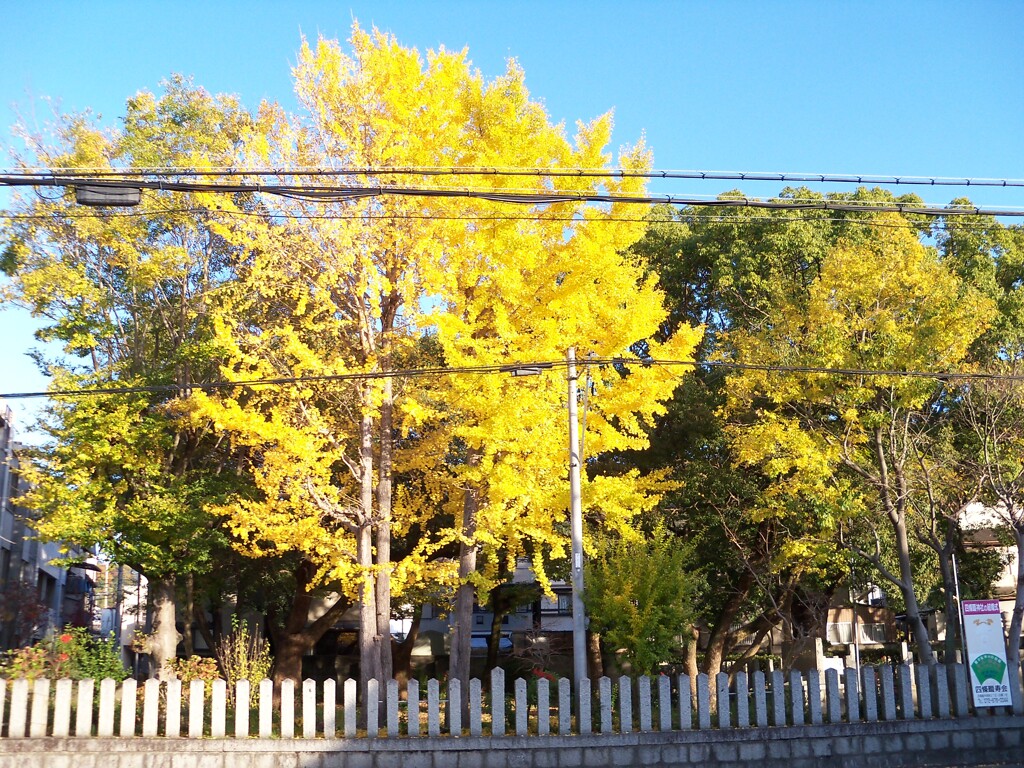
(64, 708)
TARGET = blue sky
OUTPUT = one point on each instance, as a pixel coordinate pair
(891, 88)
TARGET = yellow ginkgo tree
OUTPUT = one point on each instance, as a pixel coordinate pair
(346, 291)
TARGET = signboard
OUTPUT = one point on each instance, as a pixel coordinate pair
(986, 653)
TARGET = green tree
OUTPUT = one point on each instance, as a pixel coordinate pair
(764, 484)
(128, 298)
(989, 413)
(640, 596)
(888, 304)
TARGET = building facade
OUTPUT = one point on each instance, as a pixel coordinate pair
(36, 596)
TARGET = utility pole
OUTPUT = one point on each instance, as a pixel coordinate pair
(579, 617)
(579, 620)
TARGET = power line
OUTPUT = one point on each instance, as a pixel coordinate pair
(507, 368)
(349, 193)
(592, 173)
(115, 213)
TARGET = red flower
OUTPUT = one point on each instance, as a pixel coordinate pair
(66, 638)
(63, 657)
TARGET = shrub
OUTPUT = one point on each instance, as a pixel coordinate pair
(196, 668)
(243, 655)
(73, 653)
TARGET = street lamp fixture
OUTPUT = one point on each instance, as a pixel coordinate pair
(107, 194)
(532, 369)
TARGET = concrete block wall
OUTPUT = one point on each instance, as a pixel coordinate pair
(987, 741)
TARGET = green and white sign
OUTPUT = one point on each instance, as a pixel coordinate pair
(986, 653)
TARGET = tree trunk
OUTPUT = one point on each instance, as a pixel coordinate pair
(462, 629)
(205, 631)
(163, 641)
(893, 492)
(914, 621)
(289, 649)
(1017, 618)
(952, 613)
(691, 660)
(595, 664)
(494, 639)
(369, 635)
(401, 653)
(296, 636)
(384, 490)
(188, 611)
(723, 625)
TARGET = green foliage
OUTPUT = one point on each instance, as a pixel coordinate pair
(639, 595)
(105, 479)
(128, 299)
(72, 654)
(771, 466)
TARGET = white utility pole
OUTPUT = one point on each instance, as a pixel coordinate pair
(579, 619)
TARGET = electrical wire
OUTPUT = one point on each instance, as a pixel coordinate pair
(592, 173)
(510, 368)
(341, 194)
(688, 215)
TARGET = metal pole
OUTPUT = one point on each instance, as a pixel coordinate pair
(856, 626)
(959, 610)
(579, 621)
(117, 605)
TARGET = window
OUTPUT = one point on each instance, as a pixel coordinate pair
(841, 633)
(565, 602)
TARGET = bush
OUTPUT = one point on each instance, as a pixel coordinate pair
(243, 655)
(196, 668)
(73, 653)
(640, 596)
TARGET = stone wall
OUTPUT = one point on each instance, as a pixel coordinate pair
(982, 741)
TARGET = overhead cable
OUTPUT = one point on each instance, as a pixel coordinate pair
(115, 213)
(349, 193)
(593, 173)
(510, 368)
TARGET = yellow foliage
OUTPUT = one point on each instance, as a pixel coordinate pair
(378, 284)
(884, 303)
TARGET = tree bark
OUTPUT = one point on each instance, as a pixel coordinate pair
(401, 653)
(893, 491)
(462, 629)
(952, 612)
(595, 662)
(369, 635)
(188, 612)
(906, 586)
(723, 625)
(494, 639)
(1017, 617)
(384, 491)
(296, 635)
(691, 660)
(163, 641)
